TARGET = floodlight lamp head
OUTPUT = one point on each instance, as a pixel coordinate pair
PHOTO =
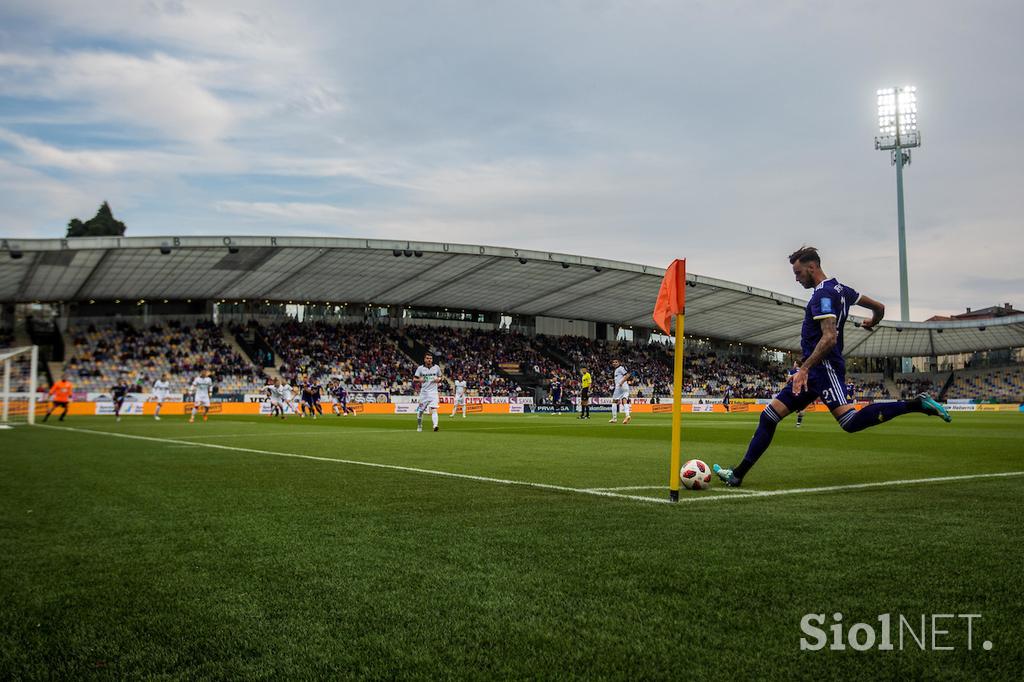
(897, 118)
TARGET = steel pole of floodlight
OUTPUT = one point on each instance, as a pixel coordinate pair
(902, 223)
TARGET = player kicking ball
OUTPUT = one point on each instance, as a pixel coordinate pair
(620, 393)
(428, 374)
(822, 372)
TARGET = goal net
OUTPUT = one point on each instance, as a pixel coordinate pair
(19, 370)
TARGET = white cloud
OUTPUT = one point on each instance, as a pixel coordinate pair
(104, 161)
(159, 93)
(33, 199)
(725, 132)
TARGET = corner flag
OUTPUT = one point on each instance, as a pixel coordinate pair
(672, 296)
(672, 303)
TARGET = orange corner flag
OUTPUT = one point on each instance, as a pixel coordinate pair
(672, 296)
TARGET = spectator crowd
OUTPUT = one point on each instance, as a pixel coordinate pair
(492, 362)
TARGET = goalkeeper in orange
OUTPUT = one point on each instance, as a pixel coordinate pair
(60, 396)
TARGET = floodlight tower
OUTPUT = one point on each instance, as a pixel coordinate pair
(898, 134)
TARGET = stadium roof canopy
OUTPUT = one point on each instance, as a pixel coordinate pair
(440, 275)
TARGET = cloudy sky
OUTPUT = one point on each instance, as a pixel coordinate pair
(723, 131)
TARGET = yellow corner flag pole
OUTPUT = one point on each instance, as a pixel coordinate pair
(672, 303)
(677, 409)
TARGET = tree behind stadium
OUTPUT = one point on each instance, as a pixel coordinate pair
(103, 224)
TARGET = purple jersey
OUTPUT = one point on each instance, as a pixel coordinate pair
(341, 393)
(830, 299)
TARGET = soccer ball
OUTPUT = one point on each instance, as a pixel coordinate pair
(695, 475)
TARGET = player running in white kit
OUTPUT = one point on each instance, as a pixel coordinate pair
(428, 374)
(161, 387)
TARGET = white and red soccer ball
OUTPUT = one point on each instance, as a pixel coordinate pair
(695, 475)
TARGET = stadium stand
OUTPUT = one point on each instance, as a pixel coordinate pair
(366, 356)
(484, 359)
(101, 354)
(705, 374)
(712, 375)
(1003, 384)
(869, 386)
(650, 365)
(911, 385)
(494, 362)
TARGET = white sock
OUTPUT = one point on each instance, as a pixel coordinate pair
(463, 409)
(158, 406)
(433, 418)
(625, 407)
(419, 418)
(193, 411)
(615, 410)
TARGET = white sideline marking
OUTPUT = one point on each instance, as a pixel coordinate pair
(393, 467)
(630, 487)
(249, 435)
(877, 484)
(751, 494)
(665, 487)
(310, 432)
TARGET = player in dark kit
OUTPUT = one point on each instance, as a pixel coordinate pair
(340, 393)
(308, 399)
(822, 372)
(556, 395)
(726, 397)
(314, 394)
(119, 392)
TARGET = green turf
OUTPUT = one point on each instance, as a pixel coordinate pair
(125, 558)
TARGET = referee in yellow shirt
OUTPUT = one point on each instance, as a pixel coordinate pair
(585, 381)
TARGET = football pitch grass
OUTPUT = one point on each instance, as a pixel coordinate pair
(260, 548)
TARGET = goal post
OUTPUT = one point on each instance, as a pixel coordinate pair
(20, 368)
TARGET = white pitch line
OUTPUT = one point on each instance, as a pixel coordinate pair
(878, 484)
(250, 435)
(376, 465)
(731, 491)
(308, 432)
(631, 487)
(752, 494)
